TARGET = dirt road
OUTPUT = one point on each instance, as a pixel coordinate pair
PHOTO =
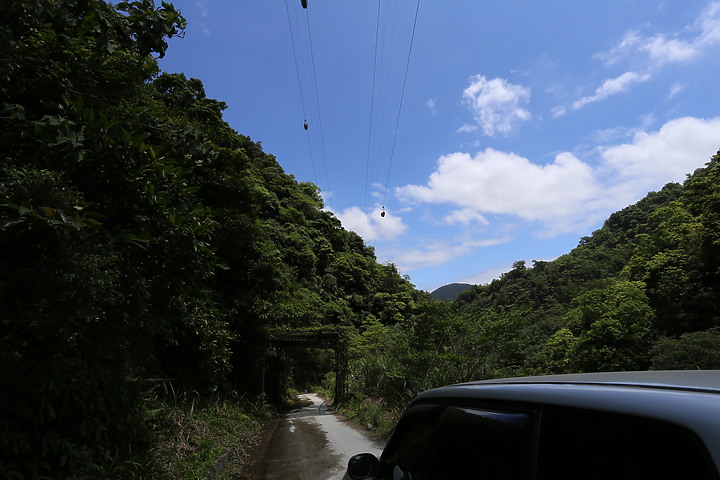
(310, 443)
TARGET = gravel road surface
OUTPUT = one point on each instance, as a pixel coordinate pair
(310, 443)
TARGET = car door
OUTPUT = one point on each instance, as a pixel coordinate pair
(436, 442)
(579, 443)
(466, 441)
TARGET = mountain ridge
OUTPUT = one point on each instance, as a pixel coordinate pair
(450, 291)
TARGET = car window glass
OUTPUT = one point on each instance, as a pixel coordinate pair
(411, 441)
(597, 445)
(482, 444)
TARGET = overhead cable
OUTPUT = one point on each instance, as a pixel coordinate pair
(317, 102)
(402, 96)
(302, 95)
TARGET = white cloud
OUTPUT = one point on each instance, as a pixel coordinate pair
(495, 104)
(465, 216)
(558, 111)
(378, 192)
(675, 89)
(505, 183)
(652, 159)
(467, 128)
(612, 86)
(650, 53)
(709, 24)
(667, 155)
(629, 43)
(567, 194)
(431, 103)
(439, 252)
(490, 274)
(203, 9)
(660, 49)
(486, 276)
(614, 134)
(657, 49)
(372, 226)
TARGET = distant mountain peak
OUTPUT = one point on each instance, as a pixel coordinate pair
(450, 292)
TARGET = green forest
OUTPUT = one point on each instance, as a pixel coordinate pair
(148, 252)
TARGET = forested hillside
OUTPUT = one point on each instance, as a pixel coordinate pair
(146, 246)
(643, 291)
(143, 242)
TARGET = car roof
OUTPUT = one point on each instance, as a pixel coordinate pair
(698, 380)
(583, 388)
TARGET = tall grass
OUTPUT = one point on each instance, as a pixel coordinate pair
(374, 414)
(196, 438)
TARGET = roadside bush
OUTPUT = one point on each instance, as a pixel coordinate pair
(196, 438)
(372, 413)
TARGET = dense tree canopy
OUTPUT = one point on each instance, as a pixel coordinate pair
(142, 238)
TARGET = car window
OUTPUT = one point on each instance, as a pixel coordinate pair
(410, 443)
(597, 445)
(462, 443)
(483, 444)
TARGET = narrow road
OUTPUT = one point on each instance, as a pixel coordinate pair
(310, 443)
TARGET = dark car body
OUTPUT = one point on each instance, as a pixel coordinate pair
(624, 425)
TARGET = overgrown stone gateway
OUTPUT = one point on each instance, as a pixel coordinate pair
(335, 339)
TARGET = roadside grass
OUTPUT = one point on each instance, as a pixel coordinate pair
(288, 400)
(194, 439)
(372, 413)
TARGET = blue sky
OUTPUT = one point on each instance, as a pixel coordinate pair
(523, 124)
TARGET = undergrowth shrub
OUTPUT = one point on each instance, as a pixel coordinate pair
(372, 413)
(195, 438)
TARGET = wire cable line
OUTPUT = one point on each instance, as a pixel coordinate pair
(402, 97)
(372, 108)
(385, 24)
(317, 102)
(302, 94)
(397, 120)
(307, 76)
